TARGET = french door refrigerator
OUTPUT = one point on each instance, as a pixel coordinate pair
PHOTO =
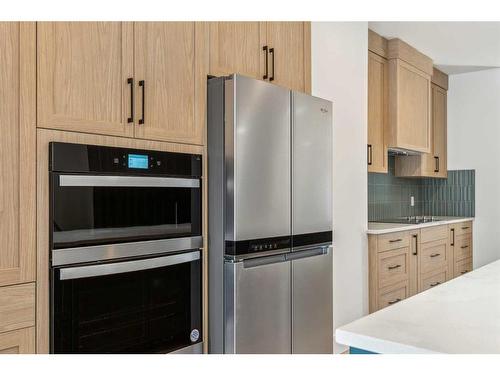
(270, 219)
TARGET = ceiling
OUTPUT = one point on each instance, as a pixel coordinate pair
(455, 47)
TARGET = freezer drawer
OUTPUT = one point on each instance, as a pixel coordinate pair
(258, 306)
(312, 294)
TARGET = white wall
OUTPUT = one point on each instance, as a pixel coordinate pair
(339, 73)
(474, 143)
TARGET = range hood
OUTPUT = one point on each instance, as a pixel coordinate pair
(395, 151)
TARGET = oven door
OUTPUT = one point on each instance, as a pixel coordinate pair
(148, 305)
(94, 210)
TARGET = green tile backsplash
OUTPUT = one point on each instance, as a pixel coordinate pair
(389, 196)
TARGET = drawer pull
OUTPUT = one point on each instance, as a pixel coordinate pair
(435, 255)
(394, 267)
(464, 228)
(394, 301)
(464, 247)
(398, 240)
(435, 283)
(464, 271)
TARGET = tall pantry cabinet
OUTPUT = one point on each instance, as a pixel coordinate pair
(17, 184)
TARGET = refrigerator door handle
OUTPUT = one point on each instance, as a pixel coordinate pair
(256, 262)
(308, 253)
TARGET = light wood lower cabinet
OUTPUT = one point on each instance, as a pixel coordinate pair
(17, 306)
(21, 341)
(404, 263)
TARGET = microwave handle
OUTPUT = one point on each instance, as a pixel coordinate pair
(72, 273)
(127, 181)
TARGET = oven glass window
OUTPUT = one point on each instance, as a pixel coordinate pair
(95, 215)
(150, 311)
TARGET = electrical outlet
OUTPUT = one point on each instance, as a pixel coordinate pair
(412, 201)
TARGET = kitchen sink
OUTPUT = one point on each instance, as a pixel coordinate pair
(411, 220)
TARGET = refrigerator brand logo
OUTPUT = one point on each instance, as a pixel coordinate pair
(324, 110)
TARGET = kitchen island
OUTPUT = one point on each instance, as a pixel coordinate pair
(461, 316)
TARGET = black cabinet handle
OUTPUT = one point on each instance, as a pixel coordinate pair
(394, 301)
(130, 81)
(464, 247)
(453, 236)
(435, 255)
(436, 160)
(369, 155)
(265, 76)
(464, 271)
(398, 240)
(436, 283)
(464, 228)
(415, 236)
(394, 267)
(142, 84)
(271, 51)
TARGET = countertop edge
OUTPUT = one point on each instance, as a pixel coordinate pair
(405, 227)
(376, 345)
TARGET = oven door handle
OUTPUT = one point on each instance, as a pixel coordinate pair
(127, 181)
(72, 273)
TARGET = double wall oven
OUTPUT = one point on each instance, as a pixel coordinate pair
(125, 259)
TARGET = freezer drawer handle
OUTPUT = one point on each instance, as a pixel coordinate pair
(308, 253)
(256, 262)
(127, 181)
(123, 267)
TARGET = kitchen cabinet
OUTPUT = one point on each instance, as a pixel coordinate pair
(170, 75)
(83, 69)
(17, 307)
(17, 153)
(409, 98)
(377, 113)
(278, 52)
(21, 341)
(434, 163)
(404, 263)
(145, 80)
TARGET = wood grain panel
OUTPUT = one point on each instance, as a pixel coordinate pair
(82, 76)
(433, 279)
(377, 113)
(21, 341)
(398, 49)
(434, 256)
(17, 306)
(394, 240)
(393, 267)
(377, 44)
(462, 267)
(165, 58)
(463, 247)
(288, 41)
(17, 148)
(393, 294)
(439, 78)
(45, 136)
(236, 47)
(439, 131)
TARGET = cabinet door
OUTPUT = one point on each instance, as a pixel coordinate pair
(289, 54)
(377, 113)
(21, 341)
(17, 148)
(237, 47)
(82, 76)
(439, 130)
(170, 60)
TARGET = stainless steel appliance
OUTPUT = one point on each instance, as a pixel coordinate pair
(125, 256)
(270, 219)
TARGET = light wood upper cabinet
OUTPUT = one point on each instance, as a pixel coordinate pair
(170, 73)
(17, 152)
(409, 98)
(277, 52)
(377, 113)
(237, 47)
(82, 76)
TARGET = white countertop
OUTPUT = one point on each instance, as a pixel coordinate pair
(459, 316)
(382, 228)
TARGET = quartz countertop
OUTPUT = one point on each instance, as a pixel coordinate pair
(459, 316)
(382, 228)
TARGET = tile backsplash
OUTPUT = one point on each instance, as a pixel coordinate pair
(389, 196)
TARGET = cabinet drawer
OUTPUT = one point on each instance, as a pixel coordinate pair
(462, 266)
(462, 228)
(433, 256)
(391, 241)
(391, 295)
(462, 248)
(432, 280)
(392, 267)
(430, 234)
(17, 307)
(20, 341)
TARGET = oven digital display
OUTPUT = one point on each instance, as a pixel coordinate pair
(138, 161)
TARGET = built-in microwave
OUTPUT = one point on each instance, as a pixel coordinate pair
(125, 241)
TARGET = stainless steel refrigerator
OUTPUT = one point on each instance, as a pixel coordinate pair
(270, 219)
